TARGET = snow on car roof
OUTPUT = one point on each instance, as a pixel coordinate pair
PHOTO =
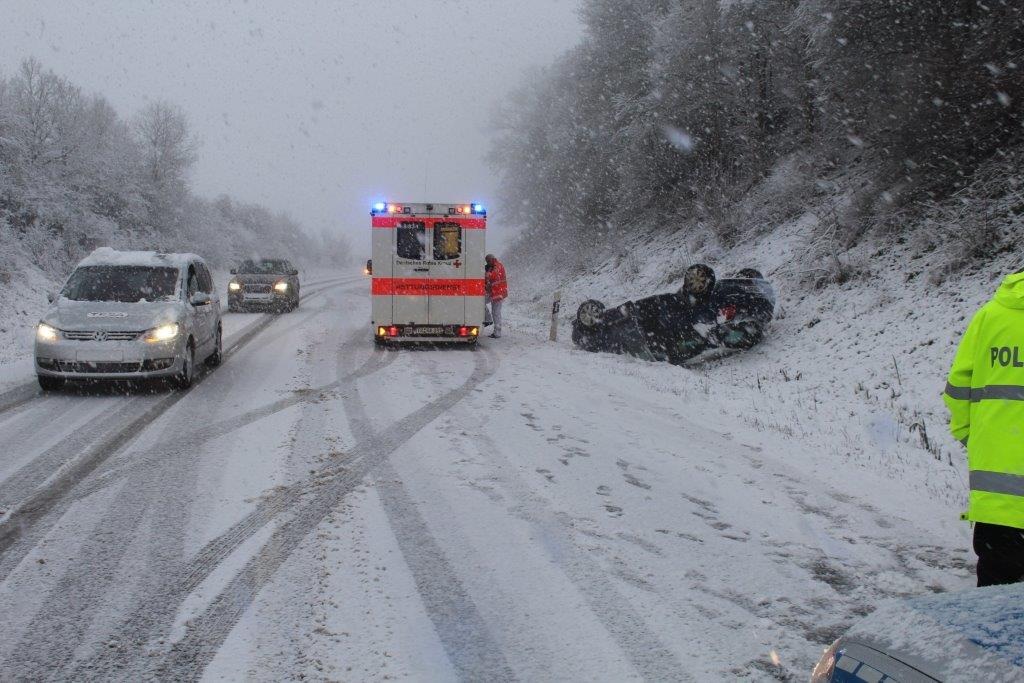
(976, 634)
(105, 256)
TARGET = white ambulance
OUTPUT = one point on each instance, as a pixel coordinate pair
(428, 271)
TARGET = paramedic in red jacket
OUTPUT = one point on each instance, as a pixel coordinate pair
(497, 290)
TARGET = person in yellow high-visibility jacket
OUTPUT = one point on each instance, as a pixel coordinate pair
(985, 396)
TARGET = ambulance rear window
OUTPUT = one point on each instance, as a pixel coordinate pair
(447, 241)
(412, 241)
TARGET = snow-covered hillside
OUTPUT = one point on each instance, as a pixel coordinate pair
(854, 371)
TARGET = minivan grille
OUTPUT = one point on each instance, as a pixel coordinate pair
(85, 367)
(101, 335)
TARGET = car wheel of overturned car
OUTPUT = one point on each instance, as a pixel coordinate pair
(589, 312)
(47, 383)
(217, 357)
(187, 374)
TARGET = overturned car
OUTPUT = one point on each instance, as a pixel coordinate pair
(706, 314)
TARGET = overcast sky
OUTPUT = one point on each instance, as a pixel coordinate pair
(311, 107)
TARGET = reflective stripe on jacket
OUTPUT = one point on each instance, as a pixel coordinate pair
(497, 285)
(985, 396)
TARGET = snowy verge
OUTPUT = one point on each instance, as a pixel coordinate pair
(851, 372)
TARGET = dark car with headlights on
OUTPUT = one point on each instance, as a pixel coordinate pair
(264, 284)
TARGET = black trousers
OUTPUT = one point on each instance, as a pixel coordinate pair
(1000, 552)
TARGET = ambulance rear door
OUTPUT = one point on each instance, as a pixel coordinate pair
(381, 279)
(447, 302)
(410, 272)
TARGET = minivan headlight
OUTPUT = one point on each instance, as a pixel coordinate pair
(281, 286)
(234, 286)
(163, 333)
(47, 333)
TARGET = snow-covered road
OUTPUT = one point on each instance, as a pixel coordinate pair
(319, 508)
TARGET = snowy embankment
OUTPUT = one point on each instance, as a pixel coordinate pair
(23, 289)
(852, 372)
(841, 462)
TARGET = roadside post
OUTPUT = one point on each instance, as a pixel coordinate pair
(556, 305)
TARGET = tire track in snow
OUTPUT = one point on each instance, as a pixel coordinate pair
(465, 635)
(208, 432)
(150, 508)
(94, 421)
(188, 657)
(152, 502)
(473, 651)
(17, 397)
(48, 489)
(298, 509)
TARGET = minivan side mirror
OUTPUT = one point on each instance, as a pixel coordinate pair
(50, 296)
(293, 272)
(234, 271)
(200, 299)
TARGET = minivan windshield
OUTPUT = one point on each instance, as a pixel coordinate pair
(265, 267)
(121, 283)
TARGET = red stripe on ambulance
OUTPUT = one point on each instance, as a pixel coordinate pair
(426, 287)
(393, 221)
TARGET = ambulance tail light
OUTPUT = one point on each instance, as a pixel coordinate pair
(469, 331)
(393, 331)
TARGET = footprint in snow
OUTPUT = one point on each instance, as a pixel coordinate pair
(530, 421)
(633, 481)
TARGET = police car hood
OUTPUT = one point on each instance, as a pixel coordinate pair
(67, 314)
(1011, 292)
(971, 635)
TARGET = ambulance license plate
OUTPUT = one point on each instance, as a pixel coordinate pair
(426, 331)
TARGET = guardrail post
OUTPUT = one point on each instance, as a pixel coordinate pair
(556, 304)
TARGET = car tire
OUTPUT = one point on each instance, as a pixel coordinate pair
(47, 383)
(589, 313)
(184, 379)
(217, 357)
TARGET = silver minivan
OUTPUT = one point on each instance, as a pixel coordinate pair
(130, 315)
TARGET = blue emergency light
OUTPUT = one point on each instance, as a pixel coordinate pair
(478, 208)
(380, 206)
